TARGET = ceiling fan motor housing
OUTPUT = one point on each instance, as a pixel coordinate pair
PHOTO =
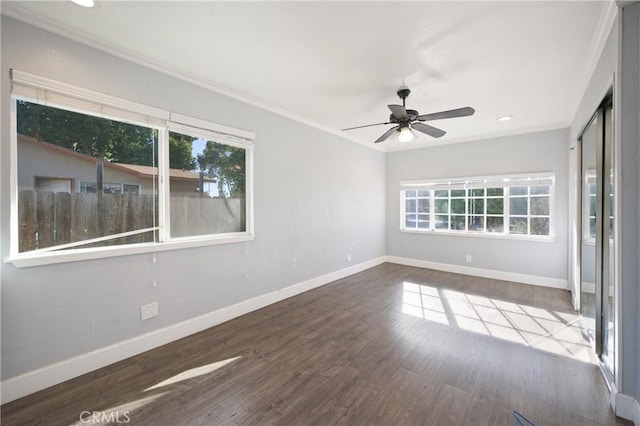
(412, 115)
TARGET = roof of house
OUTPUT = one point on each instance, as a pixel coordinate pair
(138, 170)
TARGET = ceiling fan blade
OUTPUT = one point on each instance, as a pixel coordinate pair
(366, 125)
(452, 113)
(428, 130)
(387, 134)
(399, 112)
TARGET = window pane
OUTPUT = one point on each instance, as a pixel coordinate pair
(458, 223)
(518, 206)
(495, 192)
(477, 192)
(82, 177)
(423, 225)
(457, 193)
(410, 224)
(209, 197)
(592, 227)
(410, 194)
(130, 189)
(423, 217)
(423, 193)
(592, 205)
(441, 193)
(476, 206)
(495, 224)
(539, 226)
(88, 187)
(442, 222)
(457, 206)
(410, 205)
(423, 205)
(476, 223)
(539, 190)
(442, 206)
(540, 206)
(518, 190)
(518, 225)
(495, 205)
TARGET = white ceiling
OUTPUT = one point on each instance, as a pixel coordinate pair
(338, 64)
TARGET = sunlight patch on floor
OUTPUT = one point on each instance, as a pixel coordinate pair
(423, 302)
(560, 333)
(194, 372)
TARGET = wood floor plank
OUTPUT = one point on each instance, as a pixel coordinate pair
(392, 345)
(483, 411)
(450, 406)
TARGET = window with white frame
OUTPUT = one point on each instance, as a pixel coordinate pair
(109, 188)
(497, 205)
(136, 175)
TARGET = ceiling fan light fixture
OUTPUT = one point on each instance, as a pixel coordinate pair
(406, 135)
(505, 118)
(84, 3)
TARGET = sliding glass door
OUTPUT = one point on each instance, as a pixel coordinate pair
(597, 255)
(589, 203)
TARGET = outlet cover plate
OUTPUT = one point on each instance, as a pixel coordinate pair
(149, 311)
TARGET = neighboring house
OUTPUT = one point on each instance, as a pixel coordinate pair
(43, 166)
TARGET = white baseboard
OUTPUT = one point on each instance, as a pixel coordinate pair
(479, 272)
(627, 407)
(50, 375)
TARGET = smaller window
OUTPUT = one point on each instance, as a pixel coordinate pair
(216, 204)
(513, 205)
(109, 188)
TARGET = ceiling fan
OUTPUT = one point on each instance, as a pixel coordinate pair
(408, 119)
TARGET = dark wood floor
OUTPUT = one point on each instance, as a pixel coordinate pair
(388, 346)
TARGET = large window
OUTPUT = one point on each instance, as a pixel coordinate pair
(499, 205)
(91, 171)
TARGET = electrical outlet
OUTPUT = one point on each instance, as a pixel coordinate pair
(149, 311)
(469, 258)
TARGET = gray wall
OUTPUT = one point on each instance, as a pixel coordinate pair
(537, 152)
(629, 191)
(317, 197)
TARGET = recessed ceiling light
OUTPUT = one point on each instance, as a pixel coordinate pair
(505, 118)
(84, 3)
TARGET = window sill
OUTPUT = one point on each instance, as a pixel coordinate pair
(52, 257)
(546, 239)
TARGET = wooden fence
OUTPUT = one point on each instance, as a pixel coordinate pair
(48, 219)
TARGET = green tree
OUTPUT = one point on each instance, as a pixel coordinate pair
(110, 140)
(227, 165)
(180, 156)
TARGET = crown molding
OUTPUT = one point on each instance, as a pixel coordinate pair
(14, 11)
